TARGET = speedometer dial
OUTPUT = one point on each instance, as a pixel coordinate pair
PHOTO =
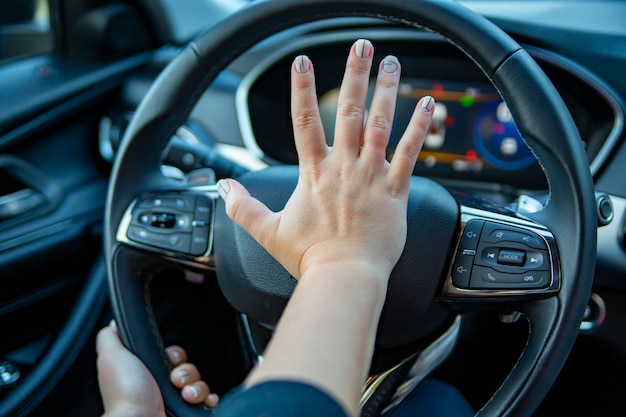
(497, 139)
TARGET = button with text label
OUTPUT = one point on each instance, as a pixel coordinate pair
(511, 257)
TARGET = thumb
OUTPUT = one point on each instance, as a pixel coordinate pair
(252, 215)
(108, 339)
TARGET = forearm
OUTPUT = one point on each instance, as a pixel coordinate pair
(327, 332)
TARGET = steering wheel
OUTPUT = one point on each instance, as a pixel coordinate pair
(465, 257)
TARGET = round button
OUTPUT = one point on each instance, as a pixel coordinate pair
(605, 209)
(9, 374)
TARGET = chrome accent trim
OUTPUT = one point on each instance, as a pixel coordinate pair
(241, 155)
(373, 382)
(204, 261)
(427, 361)
(187, 134)
(452, 293)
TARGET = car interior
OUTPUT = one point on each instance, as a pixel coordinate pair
(118, 117)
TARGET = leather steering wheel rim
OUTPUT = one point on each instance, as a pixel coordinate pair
(541, 117)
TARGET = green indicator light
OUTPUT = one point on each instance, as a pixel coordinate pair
(467, 101)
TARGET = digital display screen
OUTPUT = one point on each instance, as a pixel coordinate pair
(473, 132)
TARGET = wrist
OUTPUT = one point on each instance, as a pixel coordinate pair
(131, 410)
(349, 255)
(358, 268)
(363, 279)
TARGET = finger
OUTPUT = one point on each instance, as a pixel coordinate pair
(352, 98)
(380, 119)
(307, 125)
(184, 374)
(176, 354)
(195, 393)
(212, 400)
(410, 145)
(248, 212)
(108, 339)
(123, 379)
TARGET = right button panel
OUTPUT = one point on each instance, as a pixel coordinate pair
(510, 258)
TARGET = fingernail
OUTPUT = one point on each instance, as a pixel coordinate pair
(428, 103)
(363, 48)
(390, 64)
(223, 188)
(213, 399)
(302, 64)
(174, 354)
(195, 390)
(183, 376)
(112, 323)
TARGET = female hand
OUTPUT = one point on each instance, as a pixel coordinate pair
(187, 378)
(342, 230)
(350, 204)
(129, 389)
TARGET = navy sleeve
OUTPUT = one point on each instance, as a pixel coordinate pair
(279, 399)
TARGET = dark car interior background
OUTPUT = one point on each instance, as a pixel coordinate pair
(73, 73)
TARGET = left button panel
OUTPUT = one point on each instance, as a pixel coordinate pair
(172, 222)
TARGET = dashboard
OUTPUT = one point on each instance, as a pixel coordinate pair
(472, 133)
(473, 136)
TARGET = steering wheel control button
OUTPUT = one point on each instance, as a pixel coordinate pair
(497, 233)
(179, 222)
(199, 240)
(203, 214)
(163, 220)
(182, 203)
(471, 235)
(466, 253)
(496, 256)
(462, 270)
(179, 242)
(489, 278)
(535, 259)
(511, 257)
(172, 222)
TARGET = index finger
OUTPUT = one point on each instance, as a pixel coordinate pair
(410, 145)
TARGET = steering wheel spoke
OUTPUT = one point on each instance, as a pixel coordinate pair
(501, 257)
(176, 224)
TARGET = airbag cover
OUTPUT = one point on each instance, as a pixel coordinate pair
(257, 285)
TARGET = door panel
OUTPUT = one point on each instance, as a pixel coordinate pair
(53, 296)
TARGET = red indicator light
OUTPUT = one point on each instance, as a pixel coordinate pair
(438, 90)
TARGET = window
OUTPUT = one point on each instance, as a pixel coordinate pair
(24, 28)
